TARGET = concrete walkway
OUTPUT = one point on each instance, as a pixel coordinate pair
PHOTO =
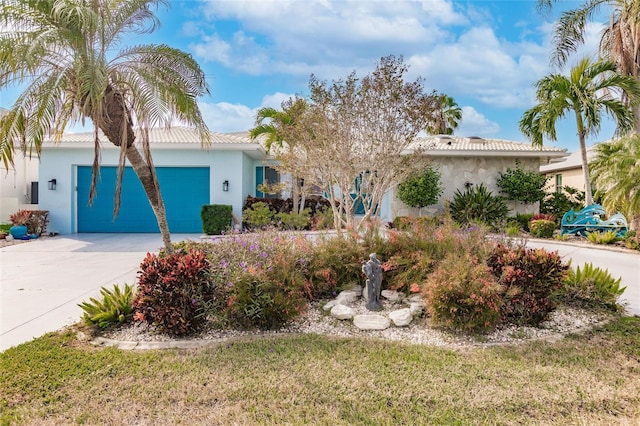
(42, 281)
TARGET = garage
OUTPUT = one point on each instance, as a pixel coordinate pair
(184, 191)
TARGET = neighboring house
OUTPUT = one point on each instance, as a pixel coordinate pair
(18, 184)
(189, 175)
(566, 172)
(19, 187)
(467, 161)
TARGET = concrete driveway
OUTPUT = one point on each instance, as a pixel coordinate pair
(43, 281)
(620, 263)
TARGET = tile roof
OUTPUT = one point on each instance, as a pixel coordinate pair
(573, 161)
(172, 136)
(445, 145)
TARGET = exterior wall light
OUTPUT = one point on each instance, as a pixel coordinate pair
(225, 186)
(52, 185)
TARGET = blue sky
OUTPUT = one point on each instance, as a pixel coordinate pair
(485, 54)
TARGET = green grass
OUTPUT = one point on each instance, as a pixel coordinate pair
(309, 379)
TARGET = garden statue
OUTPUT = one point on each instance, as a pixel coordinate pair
(373, 270)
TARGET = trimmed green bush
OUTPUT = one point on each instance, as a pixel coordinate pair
(216, 218)
(258, 216)
(542, 228)
(422, 189)
(526, 186)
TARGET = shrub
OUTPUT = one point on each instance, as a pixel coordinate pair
(114, 307)
(20, 218)
(558, 203)
(477, 204)
(216, 218)
(523, 220)
(402, 223)
(463, 294)
(530, 277)
(591, 287)
(336, 264)
(543, 216)
(37, 222)
(608, 237)
(412, 255)
(263, 278)
(542, 228)
(294, 221)
(422, 189)
(268, 297)
(173, 291)
(522, 185)
(259, 216)
(322, 219)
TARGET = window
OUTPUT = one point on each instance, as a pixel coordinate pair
(558, 183)
(269, 176)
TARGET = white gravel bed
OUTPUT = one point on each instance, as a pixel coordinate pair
(560, 323)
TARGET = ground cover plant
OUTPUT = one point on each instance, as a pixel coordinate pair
(309, 379)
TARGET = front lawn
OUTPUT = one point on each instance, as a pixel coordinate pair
(309, 379)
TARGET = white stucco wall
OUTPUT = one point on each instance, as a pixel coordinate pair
(456, 171)
(61, 163)
(15, 186)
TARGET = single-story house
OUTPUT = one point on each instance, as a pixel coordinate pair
(567, 172)
(467, 161)
(189, 175)
(225, 173)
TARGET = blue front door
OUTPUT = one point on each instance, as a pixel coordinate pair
(184, 191)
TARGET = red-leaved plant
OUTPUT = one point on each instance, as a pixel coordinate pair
(173, 291)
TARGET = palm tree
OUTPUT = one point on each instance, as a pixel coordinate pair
(587, 92)
(620, 41)
(66, 53)
(447, 116)
(616, 176)
(271, 123)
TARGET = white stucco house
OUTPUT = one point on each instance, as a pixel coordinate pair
(227, 172)
(189, 175)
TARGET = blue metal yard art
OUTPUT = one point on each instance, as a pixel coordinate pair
(590, 219)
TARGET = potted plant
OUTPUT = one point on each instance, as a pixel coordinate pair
(19, 220)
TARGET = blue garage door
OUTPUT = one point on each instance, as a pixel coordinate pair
(184, 191)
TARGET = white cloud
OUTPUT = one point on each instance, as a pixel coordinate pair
(475, 124)
(224, 117)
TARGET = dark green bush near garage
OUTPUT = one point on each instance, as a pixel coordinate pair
(216, 218)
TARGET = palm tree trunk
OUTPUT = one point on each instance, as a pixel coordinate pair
(116, 118)
(588, 197)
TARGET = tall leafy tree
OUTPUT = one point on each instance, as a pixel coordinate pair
(620, 41)
(588, 92)
(68, 56)
(447, 116)
(616, 176)
(356, 137)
